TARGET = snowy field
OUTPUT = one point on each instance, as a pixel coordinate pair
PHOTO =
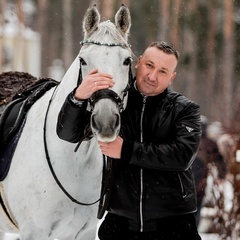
(203, 226)
(205, 236)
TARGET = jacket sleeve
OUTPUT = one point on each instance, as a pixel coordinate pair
(175, 155)
(72, 121)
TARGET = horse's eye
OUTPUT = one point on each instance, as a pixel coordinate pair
(82, 62)
(127, 61)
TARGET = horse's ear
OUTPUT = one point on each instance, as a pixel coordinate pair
(123, 20)
(91, 20)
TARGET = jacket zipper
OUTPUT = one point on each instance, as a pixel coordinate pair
(182, 187)
(141, 170)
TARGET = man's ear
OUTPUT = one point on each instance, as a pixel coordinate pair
(173, 77)
(138, 61)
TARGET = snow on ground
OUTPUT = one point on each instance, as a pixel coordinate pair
(11, 237)
(205, 236)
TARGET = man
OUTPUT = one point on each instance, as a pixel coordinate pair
(153, 194)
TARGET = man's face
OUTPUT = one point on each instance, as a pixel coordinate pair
(155, 71)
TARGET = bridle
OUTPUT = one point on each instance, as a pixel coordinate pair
(107, 93)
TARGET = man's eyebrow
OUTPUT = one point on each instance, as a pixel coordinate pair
(165, 69)
(162, 68)
(150, 61)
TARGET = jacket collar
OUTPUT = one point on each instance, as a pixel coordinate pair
(158, 97)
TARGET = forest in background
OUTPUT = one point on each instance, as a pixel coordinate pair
(206, 33)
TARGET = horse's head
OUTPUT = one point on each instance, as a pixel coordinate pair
(105, 47)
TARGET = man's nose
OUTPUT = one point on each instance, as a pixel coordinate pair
(152, 75)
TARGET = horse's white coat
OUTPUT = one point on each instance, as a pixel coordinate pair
(41, 209)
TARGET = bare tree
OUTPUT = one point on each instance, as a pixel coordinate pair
(41, 23)
(127, 3)
(211, 57)
(107, 9)
(228, 60)
(67, 33)
(2, 8)
(20, 14)
(164, 19)
(175, 30)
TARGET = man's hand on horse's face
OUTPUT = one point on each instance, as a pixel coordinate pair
(93, 82)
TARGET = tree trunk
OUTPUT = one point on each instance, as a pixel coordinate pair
(2, 55)
(228, 62)
(19, 41)
(163, 21)
(20, 14)
(41, 24)
(126, 2)
(211, 60)
(107, 9)
(67, 33)
(174, 34)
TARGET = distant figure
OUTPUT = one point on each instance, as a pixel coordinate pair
(208, 156)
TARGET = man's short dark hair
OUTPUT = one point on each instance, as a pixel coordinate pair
(165, 47)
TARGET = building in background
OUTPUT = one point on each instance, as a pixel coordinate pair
(20, 46)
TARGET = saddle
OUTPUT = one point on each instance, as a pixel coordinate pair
(13, 119)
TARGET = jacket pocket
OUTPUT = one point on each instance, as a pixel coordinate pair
(183, 191)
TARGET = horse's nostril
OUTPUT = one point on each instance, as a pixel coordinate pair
(93, 121)
(117, 121)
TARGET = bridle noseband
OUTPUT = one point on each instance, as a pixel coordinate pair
(109, 94)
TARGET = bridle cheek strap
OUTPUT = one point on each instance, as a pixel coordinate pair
(79, 81)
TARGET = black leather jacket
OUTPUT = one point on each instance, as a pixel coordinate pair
(153, 179)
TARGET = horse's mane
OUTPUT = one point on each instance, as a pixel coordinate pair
(108, 28)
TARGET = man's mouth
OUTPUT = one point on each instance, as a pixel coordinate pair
(149, 83)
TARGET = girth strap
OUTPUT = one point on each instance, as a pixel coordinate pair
(6, 210)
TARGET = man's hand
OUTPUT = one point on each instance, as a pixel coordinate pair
(112, 149)
(93, 82)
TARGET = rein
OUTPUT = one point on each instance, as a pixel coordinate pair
(107, 163)
(50, 164)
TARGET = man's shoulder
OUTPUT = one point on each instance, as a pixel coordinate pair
(178, 98)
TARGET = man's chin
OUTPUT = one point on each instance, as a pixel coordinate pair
(146, 91)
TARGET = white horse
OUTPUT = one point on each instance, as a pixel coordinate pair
(39, 206)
